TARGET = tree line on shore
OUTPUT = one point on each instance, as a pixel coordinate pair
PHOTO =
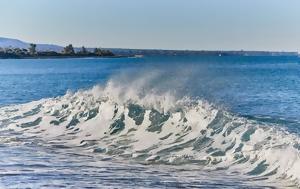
(68, 51)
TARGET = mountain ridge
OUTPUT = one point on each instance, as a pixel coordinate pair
(16, 43)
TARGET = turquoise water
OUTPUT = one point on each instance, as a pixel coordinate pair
(151, 122)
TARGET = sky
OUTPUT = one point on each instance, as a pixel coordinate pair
(159, 24)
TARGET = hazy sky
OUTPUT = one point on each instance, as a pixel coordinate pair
(166, 24)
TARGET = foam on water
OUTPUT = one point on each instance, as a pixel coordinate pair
(158, 128)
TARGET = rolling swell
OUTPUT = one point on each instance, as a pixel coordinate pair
(155, 128)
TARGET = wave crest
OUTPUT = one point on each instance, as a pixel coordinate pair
(147, 127)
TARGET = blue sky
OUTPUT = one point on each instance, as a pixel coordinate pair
(164, 24)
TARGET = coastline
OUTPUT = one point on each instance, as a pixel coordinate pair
(66, 57)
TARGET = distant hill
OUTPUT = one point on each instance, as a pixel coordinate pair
(6, 43)
(15, 43)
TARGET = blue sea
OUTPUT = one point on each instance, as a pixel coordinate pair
(150, 122)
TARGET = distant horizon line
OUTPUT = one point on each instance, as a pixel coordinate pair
(162, 49)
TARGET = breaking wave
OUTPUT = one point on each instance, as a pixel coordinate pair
(147, 127)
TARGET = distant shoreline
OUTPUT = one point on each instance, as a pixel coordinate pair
(66, 57)
(17, 49)
(69, 52)
(150, 54)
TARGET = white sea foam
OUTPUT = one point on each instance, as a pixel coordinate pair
(149, 127)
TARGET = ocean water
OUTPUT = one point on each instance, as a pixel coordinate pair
(150, 122)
